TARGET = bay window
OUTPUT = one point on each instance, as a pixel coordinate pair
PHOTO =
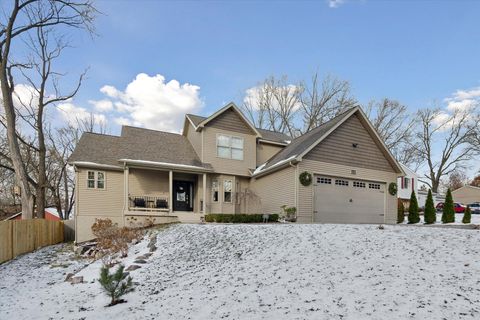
(227, 191)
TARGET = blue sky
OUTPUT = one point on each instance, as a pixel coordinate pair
(413, 51)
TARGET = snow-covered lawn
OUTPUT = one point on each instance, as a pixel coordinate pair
(281, 271)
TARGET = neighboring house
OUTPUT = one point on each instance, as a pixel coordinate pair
(466, 194)
(50, 214)
(406, 185)
(223, 164)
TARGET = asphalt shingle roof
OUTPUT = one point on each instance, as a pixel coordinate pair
(266, 134)
(137, 144)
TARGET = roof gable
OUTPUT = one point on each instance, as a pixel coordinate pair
(302, 145)
(350, 144)
(231, 118)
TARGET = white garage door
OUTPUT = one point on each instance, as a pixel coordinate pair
(340, 200)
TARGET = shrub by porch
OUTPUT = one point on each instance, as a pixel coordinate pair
(239, 218)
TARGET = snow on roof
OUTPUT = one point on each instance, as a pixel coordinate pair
(260, 169)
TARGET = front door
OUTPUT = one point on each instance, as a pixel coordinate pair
(182, 196)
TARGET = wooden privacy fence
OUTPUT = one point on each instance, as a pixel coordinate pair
(22, 236)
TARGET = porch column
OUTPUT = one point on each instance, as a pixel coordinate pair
(170, 191)
(204, 193)
(126, 173)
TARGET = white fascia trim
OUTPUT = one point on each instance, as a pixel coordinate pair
(279, 163)
(95, 165)
(191, 122)
(165, 164)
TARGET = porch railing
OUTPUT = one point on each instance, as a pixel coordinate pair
(148, 203)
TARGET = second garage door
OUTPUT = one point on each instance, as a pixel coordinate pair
(340, 200)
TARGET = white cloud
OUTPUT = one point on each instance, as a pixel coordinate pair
(335, 3)
(152, 102)
(123, 121)
(464, 100)
(467, 94)
(72, 114)
(102, 105)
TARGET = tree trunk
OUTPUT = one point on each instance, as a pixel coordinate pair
(21, 176)
(42, 154)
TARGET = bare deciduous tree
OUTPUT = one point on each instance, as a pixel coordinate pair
(273, 105)
(444, 142)
(25, 17)
(395, 125)
(456, 180)
(321, 102)
(296, 108)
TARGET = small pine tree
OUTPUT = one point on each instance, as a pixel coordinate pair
(430, 216)
(116, 284)
(448, 214)
(467, 215)
(400, 212)
(413, 216)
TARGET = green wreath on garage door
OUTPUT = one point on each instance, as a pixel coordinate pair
(305, 178)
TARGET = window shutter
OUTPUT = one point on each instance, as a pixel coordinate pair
(413, 188)
(403, 178)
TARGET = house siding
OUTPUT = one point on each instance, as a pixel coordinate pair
(229, 166)
(94, 204)
(266, 151)
(195, 139)
(306, 194)
(274, 190)
(337, 148)
(466, 195)
(230, 121)
(144, 182)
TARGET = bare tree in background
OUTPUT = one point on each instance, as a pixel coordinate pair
(456, 180)
(395, 125)
(273, 105)
(25, 17)
(295, 108)
(455, 132)
(321, 100)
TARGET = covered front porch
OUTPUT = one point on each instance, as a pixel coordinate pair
(155, 190)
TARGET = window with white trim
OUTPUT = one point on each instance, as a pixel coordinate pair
(323, 180)
(227, 191)
(215, 190)
(339, 182)
(406, 182)
(358, 184)
(95, 180)
(229, 147)
(375, 186)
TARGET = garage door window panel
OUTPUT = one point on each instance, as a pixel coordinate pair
(343, 183)
(359, 184)
(323, 180)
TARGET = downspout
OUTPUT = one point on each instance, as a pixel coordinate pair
(295, 181)
(75, 212)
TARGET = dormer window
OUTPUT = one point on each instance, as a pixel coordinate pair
(229, 147)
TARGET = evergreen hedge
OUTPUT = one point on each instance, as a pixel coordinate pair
(467, 215)
(400, 212)
(430, 215)
(413, 216)
(239, 218)
(448, 214)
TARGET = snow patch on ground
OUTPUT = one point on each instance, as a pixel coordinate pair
(274, 271)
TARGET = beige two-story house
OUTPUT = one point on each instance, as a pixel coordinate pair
(223, 164)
